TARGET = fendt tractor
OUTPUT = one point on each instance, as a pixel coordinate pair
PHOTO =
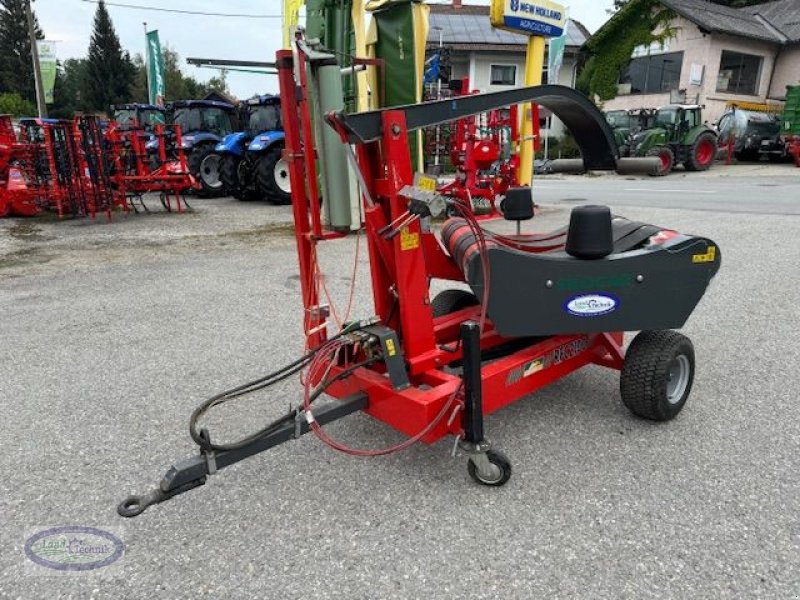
(679, 136)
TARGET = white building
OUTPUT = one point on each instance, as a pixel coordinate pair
(494, 59)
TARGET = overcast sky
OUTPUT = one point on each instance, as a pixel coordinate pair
(244, 38)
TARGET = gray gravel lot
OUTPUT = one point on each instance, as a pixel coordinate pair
(112, 333)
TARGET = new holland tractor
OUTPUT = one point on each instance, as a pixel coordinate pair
(146, 116)
(252, 164)
(678, 136)
(204, 124)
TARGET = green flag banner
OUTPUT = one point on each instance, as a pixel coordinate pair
(155, 69)
(555, 56)
(48, 67)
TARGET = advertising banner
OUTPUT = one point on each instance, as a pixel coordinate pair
(155, 69)
(534, 17)
(48, 67)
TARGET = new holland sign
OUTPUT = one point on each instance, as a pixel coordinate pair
(535, 17)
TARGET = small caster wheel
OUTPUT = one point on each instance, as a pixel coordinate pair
(489, 468)
(658, 374)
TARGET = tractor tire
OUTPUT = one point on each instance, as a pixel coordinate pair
(657, 375)
(667, 160)
(450, 301)
(230, 173)
(272, 176)
(204, 165)
(702, 153)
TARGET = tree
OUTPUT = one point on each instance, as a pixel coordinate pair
(178, 86)
(218, 83)
(109, 74)
(16, 105)
(16, 66)
(68, 95)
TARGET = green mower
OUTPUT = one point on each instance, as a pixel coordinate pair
(678, 136)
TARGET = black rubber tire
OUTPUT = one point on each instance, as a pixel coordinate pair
(196, 158)
(496, 458)
(663, 152)
(450, 301)
(229, 174)
(265, 177)
(691, 163)
(644, 378)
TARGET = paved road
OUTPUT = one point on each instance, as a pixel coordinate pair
(755, 195)
(102, 359)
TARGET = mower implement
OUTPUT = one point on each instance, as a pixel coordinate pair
(541, 306)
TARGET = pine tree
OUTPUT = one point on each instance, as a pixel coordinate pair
(109, 74)
(16, 66)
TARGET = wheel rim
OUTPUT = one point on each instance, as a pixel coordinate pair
(494, 475)
(705, 152)
(282, 176)
(677, 378)
(209, 171)
(664, 161)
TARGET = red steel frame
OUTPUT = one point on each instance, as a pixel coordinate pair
(401, 270)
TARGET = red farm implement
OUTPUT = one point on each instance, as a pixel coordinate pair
(540, 306)
(76, 168)
(484, 150)
(138, 171)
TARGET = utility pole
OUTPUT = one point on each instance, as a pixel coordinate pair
(37, 71)
(146, 60)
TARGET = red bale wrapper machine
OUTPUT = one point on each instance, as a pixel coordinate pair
(539, 307)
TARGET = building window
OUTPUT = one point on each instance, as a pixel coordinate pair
(739, 73)
(503, 75)
(652, 74)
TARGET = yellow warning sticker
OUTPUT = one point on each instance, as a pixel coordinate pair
(408, 240)
(709, 256)
(426, 183)
(390, 349)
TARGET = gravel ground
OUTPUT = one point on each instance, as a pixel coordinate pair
(112, 333)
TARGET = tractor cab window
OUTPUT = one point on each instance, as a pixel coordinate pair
(147, 118)
(217, 121)
(124, 118)
(211, 119)
(151, 118)
(691, 118)
(667, 117)
(264, 118)
(619, 119)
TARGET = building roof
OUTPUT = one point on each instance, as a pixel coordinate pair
(468, 28)
(784, 15)
(777, 22)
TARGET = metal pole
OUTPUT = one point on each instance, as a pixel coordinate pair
(548, 125)
(37, 71)
(146, 60)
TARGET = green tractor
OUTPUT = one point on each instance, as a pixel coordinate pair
(678, 136)
(627, 123)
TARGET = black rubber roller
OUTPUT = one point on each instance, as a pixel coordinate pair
(589, 235)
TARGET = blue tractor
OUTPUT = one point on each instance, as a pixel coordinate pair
(252, 162)
(204, 123)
